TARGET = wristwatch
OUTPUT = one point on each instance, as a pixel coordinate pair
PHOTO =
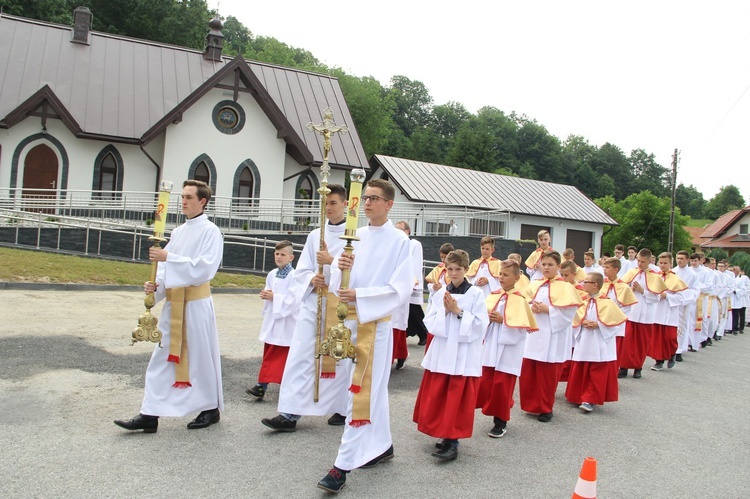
(460, 314)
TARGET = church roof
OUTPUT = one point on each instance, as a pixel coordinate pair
(433, 183)
(119, 89)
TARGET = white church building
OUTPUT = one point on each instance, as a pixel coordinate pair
(84, 113)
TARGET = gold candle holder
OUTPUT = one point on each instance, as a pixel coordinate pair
(147, 329)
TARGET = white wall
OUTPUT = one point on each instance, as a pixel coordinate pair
(559, 229)
(196, 135)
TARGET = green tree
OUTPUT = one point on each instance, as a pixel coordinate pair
(649, 175)
(56, 11)
(540, 152)
(690, 201)
(270, 50)
(486, 142)
(742, 259)
(413, 104)
(237, 37)
(370, 109)
(644, 223)
(610, 160)
(718, 254)
(728, 199)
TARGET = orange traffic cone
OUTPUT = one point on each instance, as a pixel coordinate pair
(586, 485)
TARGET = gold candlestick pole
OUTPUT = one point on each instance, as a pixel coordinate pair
(147, 330)
(338, 342)
(327, 128)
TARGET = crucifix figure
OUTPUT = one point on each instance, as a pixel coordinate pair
(327, 128)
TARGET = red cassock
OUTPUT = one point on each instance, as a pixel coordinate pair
(274, 360)
(445, 405)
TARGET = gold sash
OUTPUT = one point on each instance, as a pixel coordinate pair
(361, 385)
(328, 369)
(178, 345)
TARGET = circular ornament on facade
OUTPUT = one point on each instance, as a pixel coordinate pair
(228, 117)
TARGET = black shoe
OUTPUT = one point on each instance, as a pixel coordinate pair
(333, 481)
(440, 443)
(691, 349)
(256, 391)
(709, 342)
(637, 374)
(671, 362)
(622, 373)
(400, 364)
(657, 367)
(545, 417)
(422, 342)
(500, 428)
(205, 419)
(678, 358)
(148, 424)
(449, 452)
(385, 456)
(280, 423)
(337, 420)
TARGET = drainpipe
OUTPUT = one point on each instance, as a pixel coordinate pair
(158, 168)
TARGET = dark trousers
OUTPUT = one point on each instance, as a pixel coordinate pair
(738, 319)
(416, 325)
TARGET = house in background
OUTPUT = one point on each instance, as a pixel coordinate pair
(88, 111)
(729, 232)
(573, 220)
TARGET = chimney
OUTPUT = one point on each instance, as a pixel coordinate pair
(81, 25)
(214, 40)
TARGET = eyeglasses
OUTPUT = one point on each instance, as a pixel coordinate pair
(589, 282)
(372, 199)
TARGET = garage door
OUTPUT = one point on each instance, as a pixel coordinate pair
(579, 241)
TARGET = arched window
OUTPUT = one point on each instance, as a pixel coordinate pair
(107, 175)
(245, 191)
(305, 189)
(202, 173)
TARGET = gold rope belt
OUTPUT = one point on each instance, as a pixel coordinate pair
(178, 345)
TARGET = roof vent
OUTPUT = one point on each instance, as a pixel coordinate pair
(81, 25)
(214, 40)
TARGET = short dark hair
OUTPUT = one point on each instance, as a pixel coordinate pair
(568, 264)
(487, 240)
(512, 265)
(202, 189)
(645, 252)
(632, 248)
(619, 247)
(590, 254)
(552, 254)
(446, 248)
(597, 278)
(388, 190)
(459, 257)
(614, 262)
(684, 253)
(696, 256)
(337, 189)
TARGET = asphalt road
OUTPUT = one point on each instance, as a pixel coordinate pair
(67, 370)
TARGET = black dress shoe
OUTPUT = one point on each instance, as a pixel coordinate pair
(545, 417)
(622, 373)
(637, 374)
(400, 364)
(423, 342)
(385, 456)
(337, 420)
(449, 452)
(440, 443)
(205, 419)
(678, 357)
(333, 481)
(148, 424)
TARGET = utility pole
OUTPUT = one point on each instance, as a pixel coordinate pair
(670, 244)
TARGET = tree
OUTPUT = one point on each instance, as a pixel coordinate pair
(610, 160)
(540, 152)
(718, 254)
(742, 259)
(56, 11)
(237, 38)
(486, 142)
(728, 199)
(370, 109)
(644, 223)
(413, 104)
(690, 201)
(271, 50)
(649, 175)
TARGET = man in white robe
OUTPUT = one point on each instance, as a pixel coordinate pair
(686, 327)
(381, 279)
(187, 264)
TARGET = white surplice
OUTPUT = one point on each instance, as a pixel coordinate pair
(279, 314)
(383, 279)
(503, 346)
(194, 251)
(554, 340)
(297, 384)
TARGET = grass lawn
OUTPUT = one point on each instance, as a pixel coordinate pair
(18, 265)
(699, 222)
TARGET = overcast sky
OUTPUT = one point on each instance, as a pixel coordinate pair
(656, 75)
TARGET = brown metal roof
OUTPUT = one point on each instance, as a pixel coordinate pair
(433, 183)
(723, 223)
(122, 89)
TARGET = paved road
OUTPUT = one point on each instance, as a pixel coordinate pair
(67, 370)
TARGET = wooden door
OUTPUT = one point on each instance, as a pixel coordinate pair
(40, 179)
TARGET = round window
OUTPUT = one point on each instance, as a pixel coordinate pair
(228, 117)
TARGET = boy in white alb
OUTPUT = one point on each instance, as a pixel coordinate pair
(483, 272)
(279, 318)
(534, 261)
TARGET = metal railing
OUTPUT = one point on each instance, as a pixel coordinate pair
(257, 215)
